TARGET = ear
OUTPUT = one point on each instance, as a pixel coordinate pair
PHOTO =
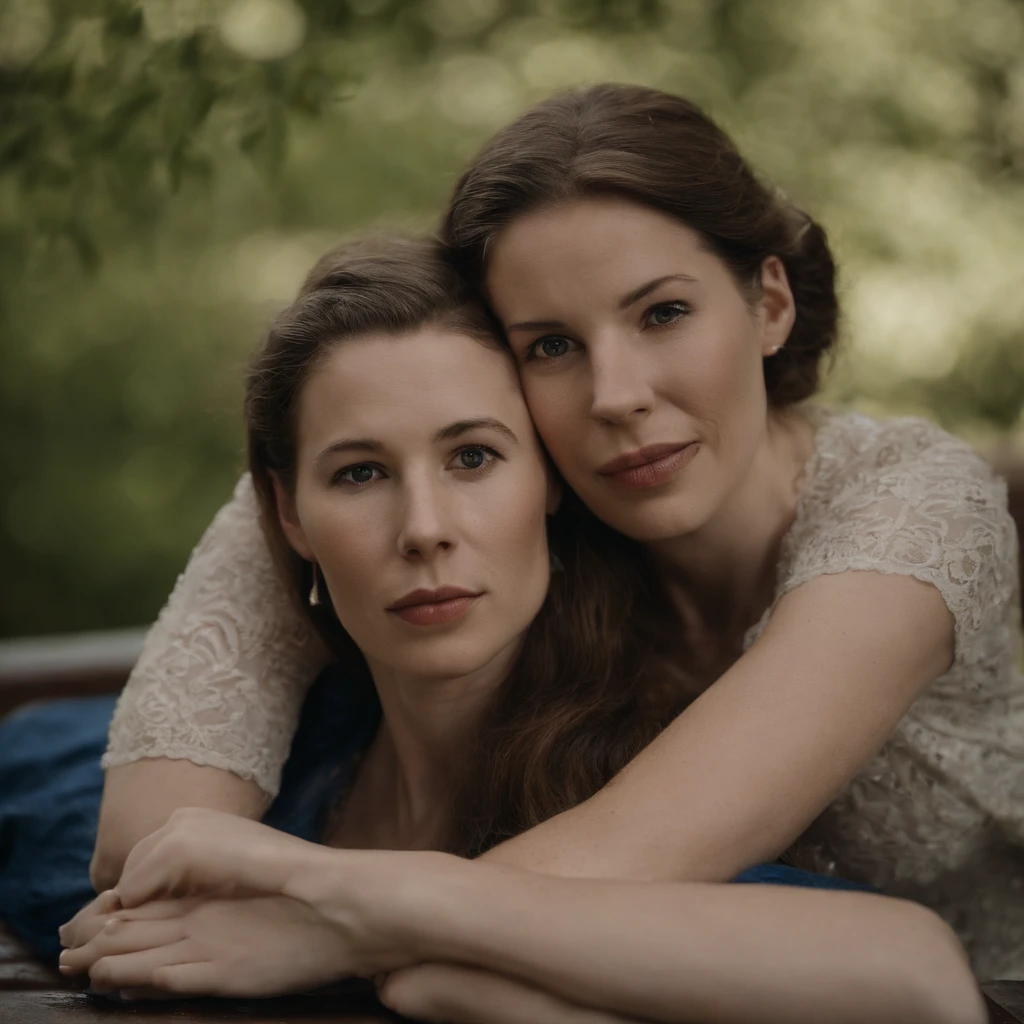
(776, 307)
(288, 517)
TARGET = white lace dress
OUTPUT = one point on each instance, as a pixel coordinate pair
(937, 815)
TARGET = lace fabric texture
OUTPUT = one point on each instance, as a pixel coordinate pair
(937, 815)
(226, 666)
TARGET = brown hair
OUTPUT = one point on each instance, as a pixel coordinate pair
(661, 151)
(578, 703)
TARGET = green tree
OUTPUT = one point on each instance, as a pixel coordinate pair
(169, 168)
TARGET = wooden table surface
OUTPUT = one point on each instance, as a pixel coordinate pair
(32, 993)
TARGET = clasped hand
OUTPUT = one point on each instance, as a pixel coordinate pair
(214, 904)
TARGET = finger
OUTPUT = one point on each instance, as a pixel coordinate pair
(136, 970)
(158, 910)
(193, 979)
(89, 919)
(119, 937)
(86, 930)
(154, 876)
(138, 882)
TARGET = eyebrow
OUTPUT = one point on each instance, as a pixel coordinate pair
(461, 427)
(348, 445)
(644, 290)
(624, 303)
(453, 430)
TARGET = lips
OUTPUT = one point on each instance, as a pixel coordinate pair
(434, 607)
(649, 466)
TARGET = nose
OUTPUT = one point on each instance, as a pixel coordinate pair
(621, 390)
(426, 526)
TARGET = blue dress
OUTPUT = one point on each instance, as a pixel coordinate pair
(51, 784)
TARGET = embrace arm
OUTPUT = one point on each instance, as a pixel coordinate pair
(207, 717)
(672, 952)
(140, 797)
(748, 766)
(658, 951)
(468, 995)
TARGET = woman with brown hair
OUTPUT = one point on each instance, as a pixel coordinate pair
(843, 591)
(406, 498)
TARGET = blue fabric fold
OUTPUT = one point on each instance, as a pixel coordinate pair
(51, 783)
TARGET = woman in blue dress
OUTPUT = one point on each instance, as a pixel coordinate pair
(408, 503)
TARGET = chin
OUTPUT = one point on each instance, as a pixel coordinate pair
(658, 521)
(454, 658)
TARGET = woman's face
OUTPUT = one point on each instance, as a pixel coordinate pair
(422, 494)
(640, 358)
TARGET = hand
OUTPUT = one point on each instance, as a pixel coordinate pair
(467, 995)
(260, 946)
(89, 920)
(202, 852)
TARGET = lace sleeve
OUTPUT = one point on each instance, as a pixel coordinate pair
(911, 499)
(224, 669)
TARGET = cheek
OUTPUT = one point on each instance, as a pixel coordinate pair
(513, 539)
(348, 542)
(559, 409)
(714, 376)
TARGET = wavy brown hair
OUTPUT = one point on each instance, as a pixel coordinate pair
(663, 152)
(581, 698)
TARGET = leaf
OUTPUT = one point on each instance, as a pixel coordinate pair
(125, 113)
(190, 52)
(18, 144)
(265, 143)
(123, 22)
(85, 247)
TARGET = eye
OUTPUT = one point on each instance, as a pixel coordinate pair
(550, 347)
(666, 313)
(363, 473)
(474, 458)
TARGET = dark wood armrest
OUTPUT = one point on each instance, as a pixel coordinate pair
(1005, 1001)
(73, 665)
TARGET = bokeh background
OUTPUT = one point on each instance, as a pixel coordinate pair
(170, 168)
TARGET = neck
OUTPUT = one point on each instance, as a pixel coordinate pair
(722, 575)
(428, 727)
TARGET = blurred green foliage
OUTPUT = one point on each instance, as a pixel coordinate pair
(170, 168)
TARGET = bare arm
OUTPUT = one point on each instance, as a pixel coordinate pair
(743, 771)
(663, 951)
(672, 952)
(139, 797)
(468, 995)
(207, 717)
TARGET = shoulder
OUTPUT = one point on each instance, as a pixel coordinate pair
(859, 458)
(904, 497)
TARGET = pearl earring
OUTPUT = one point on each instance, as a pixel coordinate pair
(314, 592)
(775, 349)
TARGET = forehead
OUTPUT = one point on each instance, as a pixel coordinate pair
(590, 240)
(423, 379)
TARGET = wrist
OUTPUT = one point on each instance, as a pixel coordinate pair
(309, 874)
(397, 904)
(452, 916)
